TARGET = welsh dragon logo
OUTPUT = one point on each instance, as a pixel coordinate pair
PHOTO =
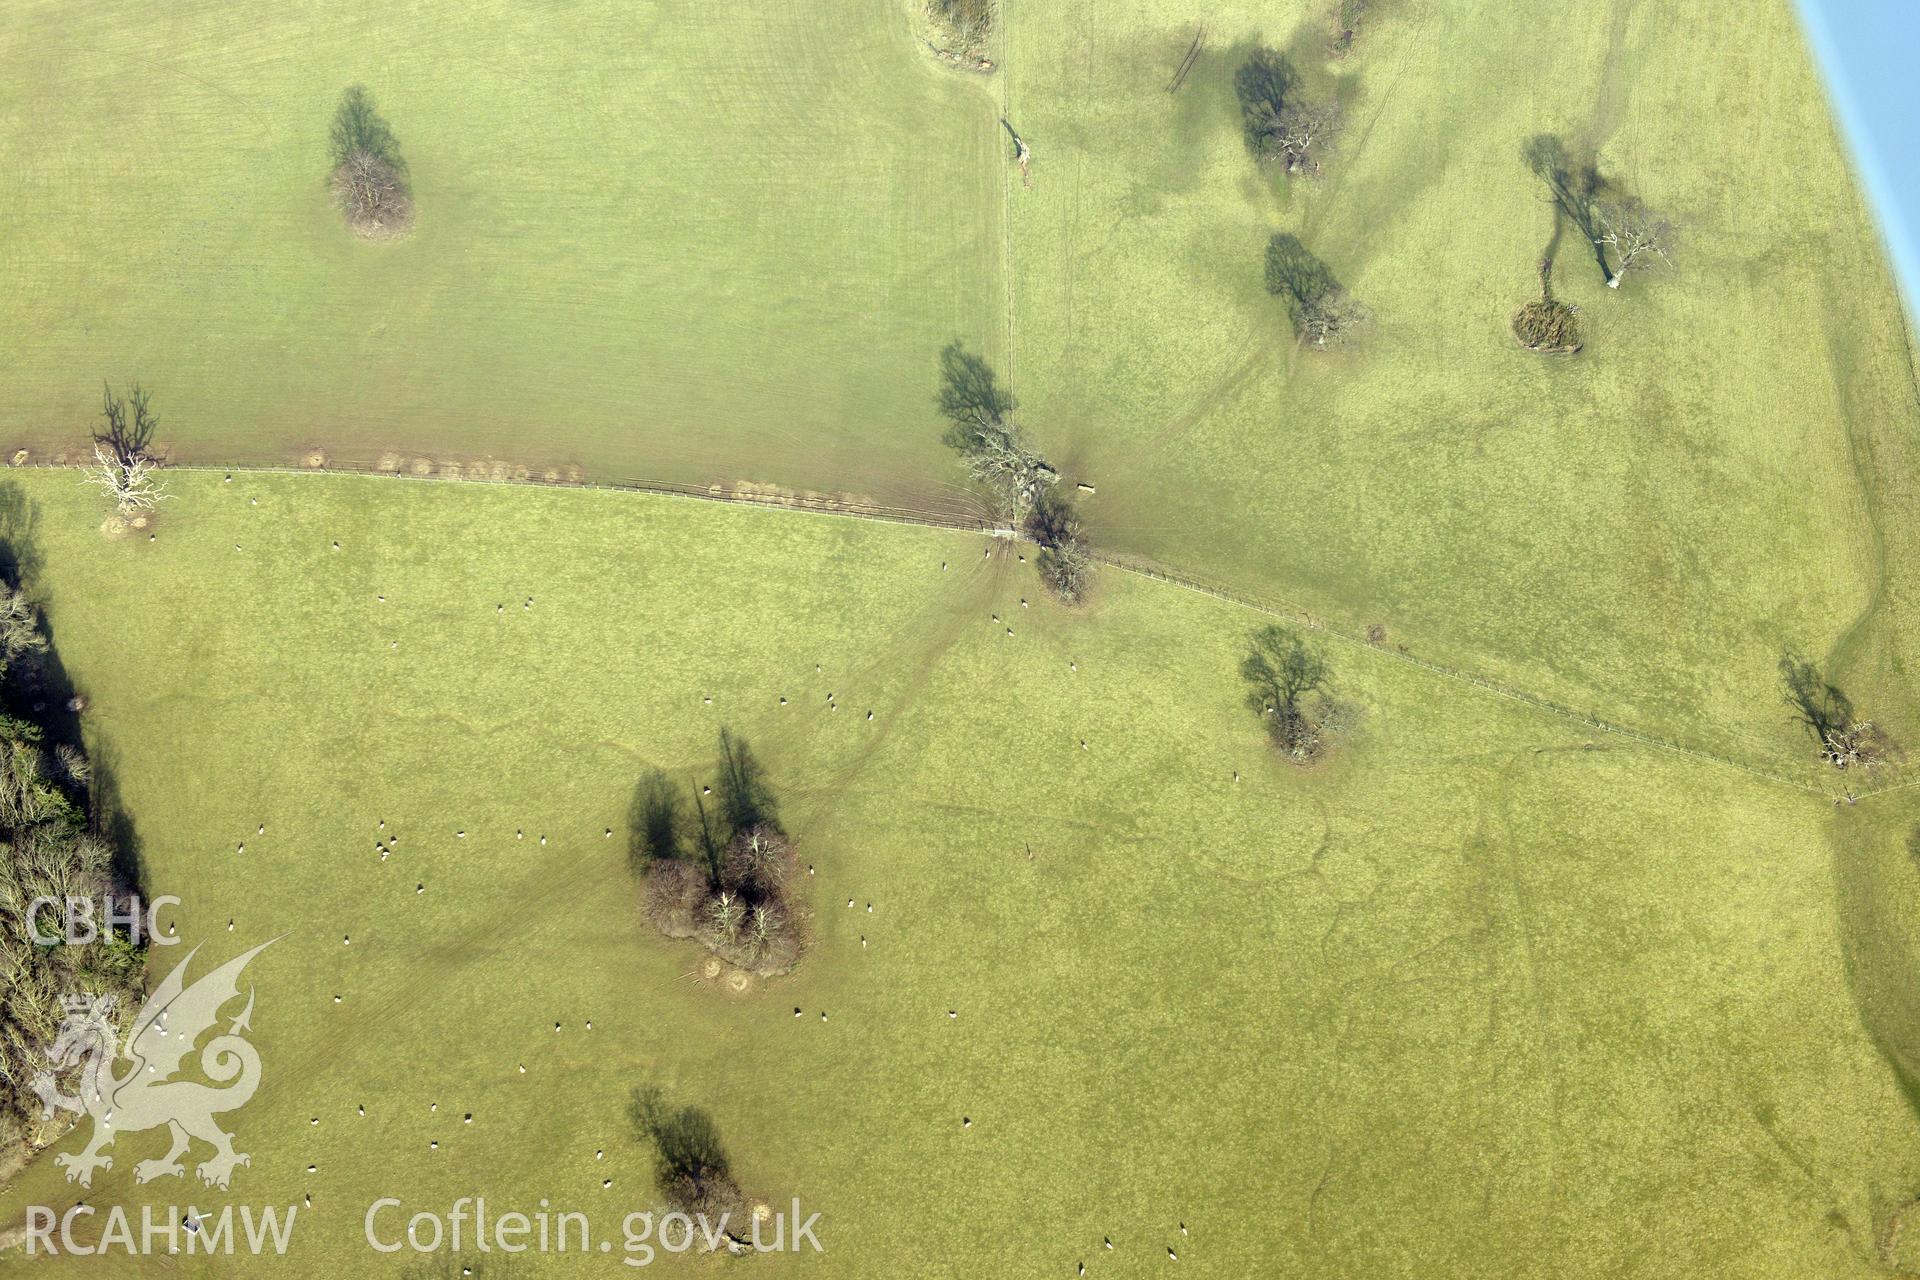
(147, 1096)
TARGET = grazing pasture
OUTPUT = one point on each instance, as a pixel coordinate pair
(1724, 471)
(1481, 989)
(711, 244)
(1476, 994)
(668, 239)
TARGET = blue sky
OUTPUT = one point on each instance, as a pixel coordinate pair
(1869, 55)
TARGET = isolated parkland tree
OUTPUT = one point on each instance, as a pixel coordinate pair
(1025, 487)
(1322, 311)
(1546, 324)
(992, 447)
(1282, 670)
(1638, 238)
(967, 23)
(122, 468)
(1065, 561)
(691, 1167)
(369, 178)
(1280, 124)
(1844, 738)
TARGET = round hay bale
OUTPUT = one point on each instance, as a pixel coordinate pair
(314, 458)
(423, 466)
(19, 457)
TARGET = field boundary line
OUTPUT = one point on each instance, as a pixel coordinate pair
(819, 504)
(1136, 566)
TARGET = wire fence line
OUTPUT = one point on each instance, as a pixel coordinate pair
(822, 504)
(825, 504)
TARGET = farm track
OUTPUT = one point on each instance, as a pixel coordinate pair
(1139, 567)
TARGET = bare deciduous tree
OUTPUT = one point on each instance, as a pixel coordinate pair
(1639, 238)
(992, 447)
(1279, 125)
(122, 467)
(369, 177)
(373, 195)
(131, 485)
(1323, 312)
(1302, 133)
(966, 23)
(1065, 561)
(691, 1165)
(1845, 739)
(1859, 744)
(722, 873)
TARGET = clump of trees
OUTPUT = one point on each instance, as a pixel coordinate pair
(48, 848)
(1324, 313)
(123, 469)
(1281, 124)
(718, 865)
(369, 178)
(691, 1167)
(1289, 686)
(1844, 738)
(1024, 486)
(1546, 324)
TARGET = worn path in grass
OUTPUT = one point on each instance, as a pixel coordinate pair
(1473, 996)
(723, 244)
(1726, 471)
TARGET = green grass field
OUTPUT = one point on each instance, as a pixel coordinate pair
(1723, 472)
(668, 240)
(722, 245)
(1489, 992)
(1474, 997)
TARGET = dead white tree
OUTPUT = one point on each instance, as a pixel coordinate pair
(373, 194)
(1302, 133)
(1857, 745)
(128, 481)
(1000, 458)
(1639, 238)
(1331, 319)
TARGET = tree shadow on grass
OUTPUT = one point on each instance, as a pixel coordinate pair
(1573, 185)
(1817, 704)
(655, 821)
